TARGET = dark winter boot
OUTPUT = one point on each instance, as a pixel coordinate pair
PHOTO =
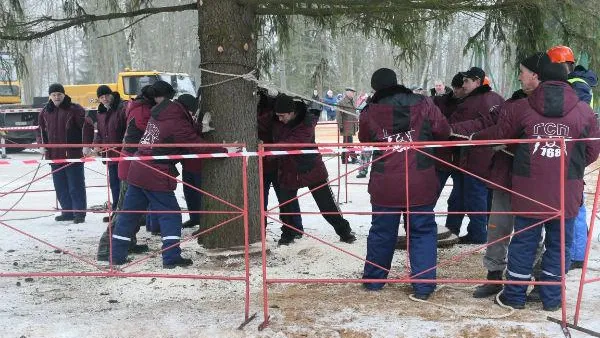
(189, 224)
(103, 247)
(181, 262)
(61, 218)
(345, 232)
(486, 290)
(287, 237)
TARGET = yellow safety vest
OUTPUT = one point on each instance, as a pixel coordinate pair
(577, 79)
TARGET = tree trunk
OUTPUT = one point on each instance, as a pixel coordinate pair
(227, 39)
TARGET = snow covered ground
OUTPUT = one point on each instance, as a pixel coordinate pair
(155, 307)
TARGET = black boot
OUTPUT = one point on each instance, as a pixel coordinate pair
(181, 262)
(361, 174)
(61, 218)
(287, 237)
(103, 248)
(486, 290)
(189, 224)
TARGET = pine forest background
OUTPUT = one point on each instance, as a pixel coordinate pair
(313, 57)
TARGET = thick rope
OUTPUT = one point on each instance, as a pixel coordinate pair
(459, 313)
(250, 77)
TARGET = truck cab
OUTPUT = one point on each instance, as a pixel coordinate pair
(128, 85)
(10, 92)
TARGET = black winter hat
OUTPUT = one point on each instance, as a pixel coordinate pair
(457, 81)
(554, 72)
(383, 78)
(189, 102)
(56, 88)
(474, 73)
(536, 62)
(103, 90)
(284, 104)
(163, 89)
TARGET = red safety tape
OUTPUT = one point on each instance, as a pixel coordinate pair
(20, 110)
(19, 128)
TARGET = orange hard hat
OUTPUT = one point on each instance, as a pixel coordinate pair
(561, 54)
(486, 81)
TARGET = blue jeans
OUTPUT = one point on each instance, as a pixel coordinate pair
(469, 194)
(422, 244)
(521, 256)
(294, 206)
(193, 198)
(455, 201)
(69, 184)
(580, 234)
(137, 198)
(115, 183)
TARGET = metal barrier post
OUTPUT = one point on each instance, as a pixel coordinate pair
(3, 142)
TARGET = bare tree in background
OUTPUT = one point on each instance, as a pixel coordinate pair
(227, 33)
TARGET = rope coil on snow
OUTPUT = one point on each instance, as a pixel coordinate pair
(466, 315)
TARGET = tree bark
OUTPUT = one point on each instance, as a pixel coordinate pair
(227, 36)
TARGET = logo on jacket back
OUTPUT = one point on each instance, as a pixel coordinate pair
(405, 136)
(549, 149)
(151, 135)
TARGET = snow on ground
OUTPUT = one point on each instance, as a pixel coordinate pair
(160, 307)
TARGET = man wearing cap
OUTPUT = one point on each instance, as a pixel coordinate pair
(479, 101)
(296, 125)
(266, 118)
(152, 183)
(448, 104)
(137, 114)
(582, 80)
(63, 122)
(500, 223)
(397, 115)
(347, 122)
(111, 124)
(192, 168)
(553, 110)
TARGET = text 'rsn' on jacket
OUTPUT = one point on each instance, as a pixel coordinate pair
(552, 111)
(170, 123)
(64, 124)
(397, 115)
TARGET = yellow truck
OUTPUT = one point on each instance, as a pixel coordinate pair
(128, 85)
(22, 118)
(10, 92)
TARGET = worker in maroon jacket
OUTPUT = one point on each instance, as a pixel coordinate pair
(553, 110)
(448, 104)
(480, 100)
(110, 123)
(152, 183)
(397, 115)
(501, 221)
(265, 120)
(296, 125)
(137, 114)
(63, 122)
(192, 167)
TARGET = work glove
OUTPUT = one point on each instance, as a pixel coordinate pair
(206, 123)
(233, 149)
(87, 151)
